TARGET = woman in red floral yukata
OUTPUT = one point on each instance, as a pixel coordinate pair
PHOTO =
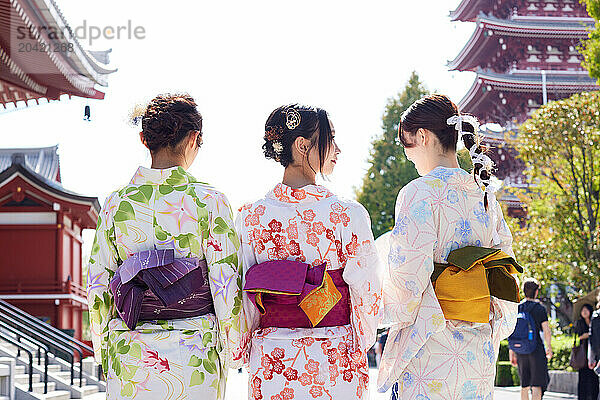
(312, 288)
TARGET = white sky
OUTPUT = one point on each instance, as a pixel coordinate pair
(240, 60)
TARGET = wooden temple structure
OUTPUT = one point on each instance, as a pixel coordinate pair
(40, 56)
(40, 237)
(524, 53)
(41, 221)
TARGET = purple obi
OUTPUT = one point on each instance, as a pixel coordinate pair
(291, 294)
(153, 285)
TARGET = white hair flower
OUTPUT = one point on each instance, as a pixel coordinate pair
(278, 147)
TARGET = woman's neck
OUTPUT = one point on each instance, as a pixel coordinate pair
(296, 177)
(163, 160)
(448, 160)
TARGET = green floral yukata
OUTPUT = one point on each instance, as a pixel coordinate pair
(174, 359)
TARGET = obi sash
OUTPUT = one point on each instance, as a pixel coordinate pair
(473, 274)
(291, 294)
(153, 284)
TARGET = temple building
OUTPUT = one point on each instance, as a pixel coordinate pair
(524, 53)
(40, 57)
(40, 235)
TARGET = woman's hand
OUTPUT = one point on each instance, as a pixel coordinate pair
(592, 364)
(584, 336)
(513, 357)
(549, 353)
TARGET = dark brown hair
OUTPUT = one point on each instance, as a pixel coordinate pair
(314, 125)
(168, 119)
(530, 285)
(432, 113)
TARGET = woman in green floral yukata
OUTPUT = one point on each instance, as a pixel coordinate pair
(152, 342)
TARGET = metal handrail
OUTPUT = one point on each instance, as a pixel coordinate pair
(54, 330)
(40, 323)
(46, 330)
(35, 342)
(20, 346)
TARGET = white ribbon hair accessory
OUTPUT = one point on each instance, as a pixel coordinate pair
(492, 184)
(476, 157)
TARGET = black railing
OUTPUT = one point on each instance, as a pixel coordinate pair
(39, 345)
(20, 346)
(54, 334)
(44, 333)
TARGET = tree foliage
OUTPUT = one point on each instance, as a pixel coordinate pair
(590, 48)
(389, 170)
(560, 145)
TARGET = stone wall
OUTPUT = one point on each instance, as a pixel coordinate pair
(563, 382)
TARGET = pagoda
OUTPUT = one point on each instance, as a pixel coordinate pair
(524, 53)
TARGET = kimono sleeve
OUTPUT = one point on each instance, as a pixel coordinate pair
(504, 312)
(101, 268)
(221, 247)
(248, 259)
(410, 260)
(363, 275)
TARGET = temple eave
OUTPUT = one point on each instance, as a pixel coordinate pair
(33, 75)
(467, 10)
(470, 55)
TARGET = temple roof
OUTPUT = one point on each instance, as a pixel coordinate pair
(482, 39)
(35, 74)
(21, 165)
(484, 91)
(41, 160)
(468, 10)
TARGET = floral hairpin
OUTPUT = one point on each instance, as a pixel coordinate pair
(273, 133)
(292, 118)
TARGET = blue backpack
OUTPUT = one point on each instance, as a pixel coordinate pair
(524, 338)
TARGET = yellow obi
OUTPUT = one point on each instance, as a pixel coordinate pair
(473, 274)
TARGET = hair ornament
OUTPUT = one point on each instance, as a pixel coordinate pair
(476, 156)
(292, 118)
(273, 133)
(278, 147)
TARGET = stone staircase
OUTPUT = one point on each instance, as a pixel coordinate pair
(59, 378)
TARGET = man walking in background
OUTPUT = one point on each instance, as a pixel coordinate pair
(526, 347)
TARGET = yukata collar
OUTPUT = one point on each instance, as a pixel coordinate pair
(174, 176)
(304, 195)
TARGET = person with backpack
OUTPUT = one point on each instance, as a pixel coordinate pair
(526, 347)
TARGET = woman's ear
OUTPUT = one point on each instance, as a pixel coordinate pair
(422, 136)
(301, 145)
(193, 139)
(143, 140)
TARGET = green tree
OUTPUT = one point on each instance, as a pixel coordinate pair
(560, 145)
(389, 170)
(590, 48)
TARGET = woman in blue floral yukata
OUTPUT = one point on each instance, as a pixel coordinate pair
(164, 280)
(450, 291)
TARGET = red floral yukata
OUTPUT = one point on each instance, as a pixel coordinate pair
(313, 226)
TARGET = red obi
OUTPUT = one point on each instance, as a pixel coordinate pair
(291, 294)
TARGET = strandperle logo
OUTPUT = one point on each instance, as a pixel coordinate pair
(85, 33)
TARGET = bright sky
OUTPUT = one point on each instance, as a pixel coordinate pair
(240, 60)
